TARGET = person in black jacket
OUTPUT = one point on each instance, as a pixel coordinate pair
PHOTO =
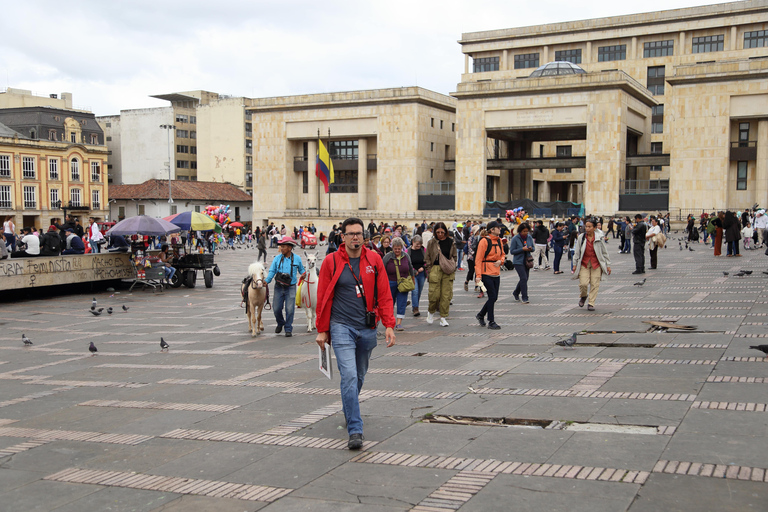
(638, 239)
(732, 228)
(50, 243)
(540, 239)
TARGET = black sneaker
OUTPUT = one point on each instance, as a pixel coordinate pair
(288, 334)
(355, 442)
(494, 326)
(516, 298)
(638, 272)
(480, 320)
(278, 329)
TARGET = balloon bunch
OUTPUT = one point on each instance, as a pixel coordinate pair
(219, 213)
(516, 215)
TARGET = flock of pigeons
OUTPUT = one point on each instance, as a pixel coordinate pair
(96, 312)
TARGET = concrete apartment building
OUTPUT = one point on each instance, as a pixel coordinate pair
(389, 149)
(141, 141)
(671, 112)
(52, 159)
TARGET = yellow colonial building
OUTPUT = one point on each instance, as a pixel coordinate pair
(52, 162)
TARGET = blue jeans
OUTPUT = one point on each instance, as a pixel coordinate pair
(558, 257)
(522, 285)
(285, 296)
(627, 246)
(416, 293)
(353, 351)
(169, 272)
(94, 247)
(399, 298)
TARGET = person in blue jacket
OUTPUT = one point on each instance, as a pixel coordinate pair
(558, 241)
(285, 269)
(521, 248)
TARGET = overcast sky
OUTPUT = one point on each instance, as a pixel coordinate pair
(113, 54)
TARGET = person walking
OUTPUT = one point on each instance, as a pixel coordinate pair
(352, 297)
(399, 266)
(285, 271)
(718, 238)
(441, 269)
(261, 245)
(592, 263)
(94, 235)
(540, 239)
(459, 242)
(521, 248)
(488, 260)
(471, 248)
(418, 255)
(9, 232)
(627, 235)
(638, 240)
(558, 242)
(652, 236)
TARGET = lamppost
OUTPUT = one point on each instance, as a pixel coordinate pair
(170, 128)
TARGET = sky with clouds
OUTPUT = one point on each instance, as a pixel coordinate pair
(113, 54)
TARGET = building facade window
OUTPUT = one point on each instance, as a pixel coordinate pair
(74, 169)
(180, 148)
(343, 149)
(741, 175)
(304, 182)
(657, 148)
(95, 199)
(249, 179)
(573, 56)
(182, 134)
(345, 182)
(73, 138)
(615, 52)
(743, 135)
(51, 134)
(193, 165)
(657, 119)
(94, 138)
(563, 152)
(5, 196)
(756, 39)
(193, 135)
(5, 166)
(181, 118)
(656, 80)
(74, 197)
(121, 212)
(659, 48)
(95, 170)
(707, 44)
(55, 199)
(182, 164)
(140, 209)
(30, 198)
(53, 168)
(485, 64)
(193, 150)
(431, 122)
(453, 127)
(28, 167)
(527, 60)
(174, 209)
(441, 124)
(192, 119)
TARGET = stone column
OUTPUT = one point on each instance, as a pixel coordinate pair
(362, 174)
(732, 40)
(681, 50)
(633, 48)
(761, 165)
(587, 57)
(544, 192)
(311, 178)
(466, 63)
(504, 61)
(546, 55)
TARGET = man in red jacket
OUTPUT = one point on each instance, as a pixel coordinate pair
(352, 295)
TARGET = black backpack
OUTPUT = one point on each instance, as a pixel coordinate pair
(51, 244)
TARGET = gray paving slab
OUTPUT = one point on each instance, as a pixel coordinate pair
(272, 470)
(562, 409)
(432, 439)
(189, 503)
(484, 406)
(707, 421)
(551, 494)
(214, 461)
(638, 452)
(44, 495)
(141, 458)
(556, 368)
(54, 456)
(528, 381)
(14, 478)
(674, 493)
(515, 444)
(118, 499)
(688, 386)
(641, 412)
(734, 392)
(744, 450)
(292, 503)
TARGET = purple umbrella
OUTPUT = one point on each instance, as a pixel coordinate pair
(143, 225)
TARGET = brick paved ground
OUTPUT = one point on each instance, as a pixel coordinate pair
(227, 422)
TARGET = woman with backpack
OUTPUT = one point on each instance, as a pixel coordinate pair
(489, 257)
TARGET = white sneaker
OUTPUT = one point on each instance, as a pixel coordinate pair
(430, 318)
(443, 322)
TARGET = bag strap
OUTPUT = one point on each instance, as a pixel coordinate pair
(397, 269)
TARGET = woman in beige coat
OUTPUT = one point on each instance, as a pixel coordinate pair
(440, 281)
(590, 263)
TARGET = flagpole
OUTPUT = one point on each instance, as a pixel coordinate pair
(317, 156)
(330, 162)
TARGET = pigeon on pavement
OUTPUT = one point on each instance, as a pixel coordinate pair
(725, 273)
(641, 283)
(163, 344)
(691, 249)
(93, 349)
(125, 308)
(27, 341)
(740, 273)
(761, 348)
(109, 311)
(680, 245)
(97, 312)
(748, 272)
(568, 342)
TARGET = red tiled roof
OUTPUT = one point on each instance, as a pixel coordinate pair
(183, 190)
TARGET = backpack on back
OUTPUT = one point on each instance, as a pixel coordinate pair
(711, 228)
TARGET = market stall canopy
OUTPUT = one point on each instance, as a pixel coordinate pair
(143, 225)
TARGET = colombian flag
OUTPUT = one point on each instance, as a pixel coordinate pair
(324, 168)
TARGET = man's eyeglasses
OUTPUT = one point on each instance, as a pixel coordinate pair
(354, 235)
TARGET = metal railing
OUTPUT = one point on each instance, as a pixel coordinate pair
(6, 204)
(30, 205)
(437, 188)
(637, 187)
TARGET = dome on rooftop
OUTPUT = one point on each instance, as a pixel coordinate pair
(557, 68)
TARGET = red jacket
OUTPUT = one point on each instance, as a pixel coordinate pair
(370, 264)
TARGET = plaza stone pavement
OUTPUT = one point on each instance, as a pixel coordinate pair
(227, 422)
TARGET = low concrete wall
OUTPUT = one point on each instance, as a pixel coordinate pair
(57, 270)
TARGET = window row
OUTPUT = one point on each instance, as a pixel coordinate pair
(31, 203)
(186, 134)
(29, 168)
(184, 118)
(186, 164)
(182, 148)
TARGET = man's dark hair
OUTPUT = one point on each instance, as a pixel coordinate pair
(540, 222)
(351, 221)
(638, 217)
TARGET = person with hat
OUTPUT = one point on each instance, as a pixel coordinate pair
(30, 242)
(75, 244)
(284, 270)
(50, 243)
(459, 241)
(489, 257)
